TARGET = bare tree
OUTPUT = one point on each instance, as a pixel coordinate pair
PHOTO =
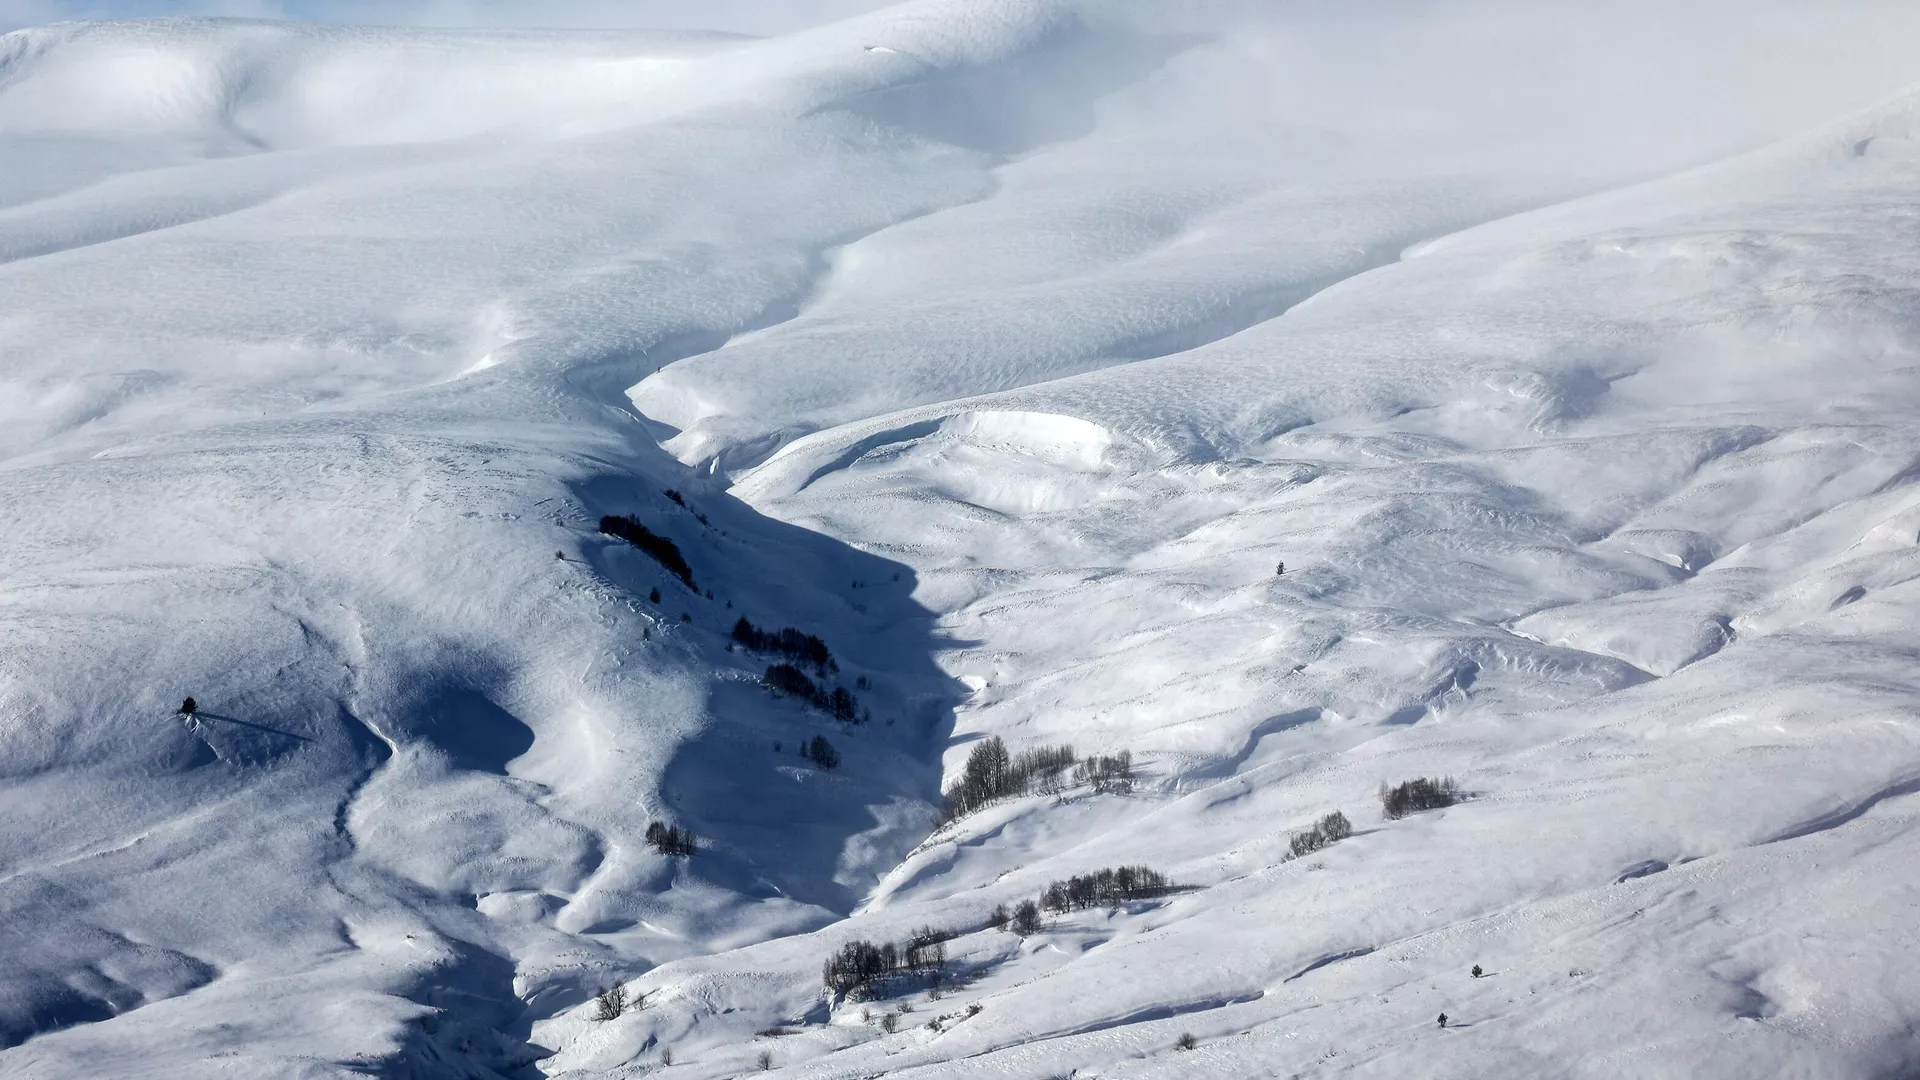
(610, 1003)
(1026, 918)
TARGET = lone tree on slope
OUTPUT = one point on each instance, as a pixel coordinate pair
(189, 707)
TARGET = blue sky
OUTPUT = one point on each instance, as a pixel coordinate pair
(753, 16)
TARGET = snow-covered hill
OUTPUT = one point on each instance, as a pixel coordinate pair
(1008, 348)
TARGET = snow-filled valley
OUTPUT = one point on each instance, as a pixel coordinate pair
(1008, 348)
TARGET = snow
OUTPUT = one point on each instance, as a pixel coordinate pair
(1008, 347)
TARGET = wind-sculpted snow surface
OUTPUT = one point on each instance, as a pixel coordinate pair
(1606, 508)
(1063, 404)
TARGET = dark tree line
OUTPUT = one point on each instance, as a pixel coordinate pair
(797, 647)
(1103, 888)
(1328, 830)
(1416, 795)
(671, 839)
(860, 966)
(662, 549)
(992, 774)
(681, 501)
(791, 681)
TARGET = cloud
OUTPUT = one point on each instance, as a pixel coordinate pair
(1629, 87)
(745, 16)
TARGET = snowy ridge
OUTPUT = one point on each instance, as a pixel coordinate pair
(967, 338)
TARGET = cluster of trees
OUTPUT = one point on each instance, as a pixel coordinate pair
(797, 647)
(1105, 773)
(992, 774)
(791, 681)
(662, 549)
(1024, 919)
(1416, 795)
(1328, 830)
(860, 966)
(926, 950)
(821, 752)
(672, 839)
(1103, 888)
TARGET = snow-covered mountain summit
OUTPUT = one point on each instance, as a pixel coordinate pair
(432, 407)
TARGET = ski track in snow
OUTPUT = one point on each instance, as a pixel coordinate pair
(990, 357)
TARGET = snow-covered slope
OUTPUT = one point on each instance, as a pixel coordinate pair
(981, 341)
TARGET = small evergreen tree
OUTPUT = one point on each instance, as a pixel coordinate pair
(189, 707)
(844, 706)
(822, 753)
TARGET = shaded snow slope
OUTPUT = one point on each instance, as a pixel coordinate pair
(985, 341)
